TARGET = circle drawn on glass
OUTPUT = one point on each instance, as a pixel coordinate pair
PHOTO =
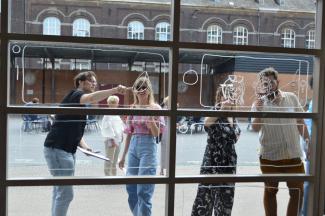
(191, 71)
(16, 49)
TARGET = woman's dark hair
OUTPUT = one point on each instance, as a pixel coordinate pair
(86, 75)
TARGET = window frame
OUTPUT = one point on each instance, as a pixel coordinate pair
(217, 38)
(51, 26)
(310, 39)
(288, 38)
(162, 29)
(240, 35)
(316, 178)
(135, 30)
(81, 24)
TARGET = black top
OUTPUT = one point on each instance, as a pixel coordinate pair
(220, 155)
(67, 130)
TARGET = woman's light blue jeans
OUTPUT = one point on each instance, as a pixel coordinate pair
(142, 160)
(60, 163)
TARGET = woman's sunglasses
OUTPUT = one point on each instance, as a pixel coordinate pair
(141, 88)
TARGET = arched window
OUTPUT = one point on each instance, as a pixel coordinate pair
(81, 28)
(240, 35)
(288, 38)
(310, 39)
(51, 26)
(135, 30)
(214, 34)
(163, 31)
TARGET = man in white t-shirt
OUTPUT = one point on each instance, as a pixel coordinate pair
(279, 138)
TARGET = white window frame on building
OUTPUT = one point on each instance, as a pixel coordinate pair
(214, 34)
(288, 38)
(310, 39)
(51, 26)
(240, 35)
(135, 30)
(81, 27)
(162, 31)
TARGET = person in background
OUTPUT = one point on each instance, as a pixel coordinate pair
(280, 141)
(112, 128)
(28, 119)
(66, 134)
(141, 147)
(219, 158)
(308, 123)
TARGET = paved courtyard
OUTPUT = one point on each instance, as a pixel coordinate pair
(25, 159)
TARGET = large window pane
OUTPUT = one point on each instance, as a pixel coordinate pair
(105, 135)
(88, 200)
(105, 19)
(239, 77)
(259, 23)
(48, 70)
(234, 145)
(188, 200)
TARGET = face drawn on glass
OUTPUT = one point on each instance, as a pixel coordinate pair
(264, 87)
(233, 89)
(140, 85)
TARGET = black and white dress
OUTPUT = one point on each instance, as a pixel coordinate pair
(219, 158)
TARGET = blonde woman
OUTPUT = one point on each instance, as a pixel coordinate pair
(112, 129)
(141, 147)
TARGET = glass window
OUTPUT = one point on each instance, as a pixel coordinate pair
(202, 72)
(214, 34)
(87, 200)
(51, 26)
(288, 38)
(124, 62)
(81, 28)
(240, 35)
(197, 198)
(107, 19)
(163, 31)
(310, 39)
(264, 21)
(254, 116)
(135, 30)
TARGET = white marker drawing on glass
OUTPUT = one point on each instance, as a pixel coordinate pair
(233, 89)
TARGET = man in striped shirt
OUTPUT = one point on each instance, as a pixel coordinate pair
(279, 138)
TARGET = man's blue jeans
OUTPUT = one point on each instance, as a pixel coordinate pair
(60, 163)
(142, 160)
